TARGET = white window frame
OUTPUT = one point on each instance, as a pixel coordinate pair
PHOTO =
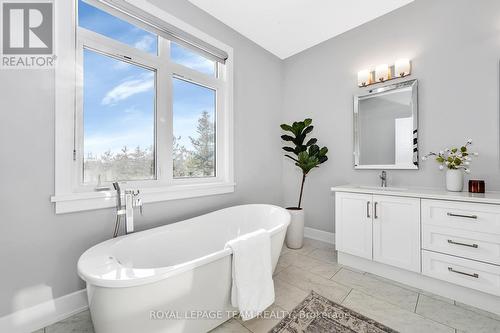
(70, 193)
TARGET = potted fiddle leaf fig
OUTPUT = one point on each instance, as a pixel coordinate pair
(306, 155)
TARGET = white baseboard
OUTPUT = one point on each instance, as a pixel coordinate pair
(44, 314)
(320, 235)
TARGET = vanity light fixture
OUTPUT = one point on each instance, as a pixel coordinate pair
(402, 68)
(384, 72)
(364, 77)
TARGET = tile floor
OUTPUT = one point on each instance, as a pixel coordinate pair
(314, 267)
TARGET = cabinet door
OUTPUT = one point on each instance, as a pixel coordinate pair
(353, 224)
(396, 231)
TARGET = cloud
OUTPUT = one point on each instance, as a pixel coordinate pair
(145, 43)
(128, 88)
(198, 63)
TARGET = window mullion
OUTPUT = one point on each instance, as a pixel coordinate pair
(164, 115)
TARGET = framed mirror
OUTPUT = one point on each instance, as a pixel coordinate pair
(386, 127)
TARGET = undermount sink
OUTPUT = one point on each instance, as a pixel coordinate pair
(380, 188)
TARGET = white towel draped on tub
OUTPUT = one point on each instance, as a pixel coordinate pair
(253, 288)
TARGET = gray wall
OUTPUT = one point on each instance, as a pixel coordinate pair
(455, 48)
(38, 249)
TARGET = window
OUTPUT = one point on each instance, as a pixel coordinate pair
(118, 120)
(149, 110)
(194, 130)
(192, 60)
(94, 19)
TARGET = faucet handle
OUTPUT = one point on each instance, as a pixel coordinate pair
(138, 203)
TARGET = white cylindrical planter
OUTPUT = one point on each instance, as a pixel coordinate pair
(295, 231)
(454, 180)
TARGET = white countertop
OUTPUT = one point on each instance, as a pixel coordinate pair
(424, 193)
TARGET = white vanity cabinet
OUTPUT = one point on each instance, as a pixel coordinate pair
(382, 228)
(353, 213)
(444, 242)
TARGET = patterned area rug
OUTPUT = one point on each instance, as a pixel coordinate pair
(317, 314)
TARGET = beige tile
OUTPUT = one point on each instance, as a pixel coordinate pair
(352, 269)
(326, 255)
(318, 244)
(456, 316)
(392, 315)
(230, 326)
(309, 281)
(80, 323)
(479, 311)
(402, 285)
(279, 267)
(288, 296)
(284, 249)
(309, 264)
(386, 291)
(269, 318)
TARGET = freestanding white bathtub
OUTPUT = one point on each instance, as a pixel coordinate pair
(175, 278)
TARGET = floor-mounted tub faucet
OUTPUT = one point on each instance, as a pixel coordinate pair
(132, 200)
(383, 178)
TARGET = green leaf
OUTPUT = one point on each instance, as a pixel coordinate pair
(289, 149)
(463, 149)
(287, 138)
(286, 127)
(308, 130)
(440, 159)
(454, 150)
(457, 161)
(311, 142)
(307, 121)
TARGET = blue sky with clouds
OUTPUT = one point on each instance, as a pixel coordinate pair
(119, 98)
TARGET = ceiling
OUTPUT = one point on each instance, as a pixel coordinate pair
(287, 27)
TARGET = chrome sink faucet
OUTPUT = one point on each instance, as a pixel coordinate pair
(132, 200)
(383, 177)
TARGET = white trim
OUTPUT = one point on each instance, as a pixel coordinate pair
(320, 235)
(68, 195)
(44, 314)
(452, 291)
(76, 202)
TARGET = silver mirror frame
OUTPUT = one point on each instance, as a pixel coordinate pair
(411, 84)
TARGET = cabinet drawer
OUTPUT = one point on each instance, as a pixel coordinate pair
(462, 243)
(462, 215)
(464, 272)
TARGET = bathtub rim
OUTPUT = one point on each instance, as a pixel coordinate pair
(160, 273)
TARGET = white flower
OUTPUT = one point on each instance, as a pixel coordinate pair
(441, 167)
(467, 170)
(424, 158)
(469, 141)
(467, 163)
(447, 163)
(447, 149)
(441, 152)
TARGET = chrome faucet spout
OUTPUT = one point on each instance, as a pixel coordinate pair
(131, 200)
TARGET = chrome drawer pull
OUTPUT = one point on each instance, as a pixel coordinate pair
(465, 216)
(463, 244)
(475, 275)
(368, 209)
(375, 210)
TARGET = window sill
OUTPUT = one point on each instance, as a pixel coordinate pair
(77, 202)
